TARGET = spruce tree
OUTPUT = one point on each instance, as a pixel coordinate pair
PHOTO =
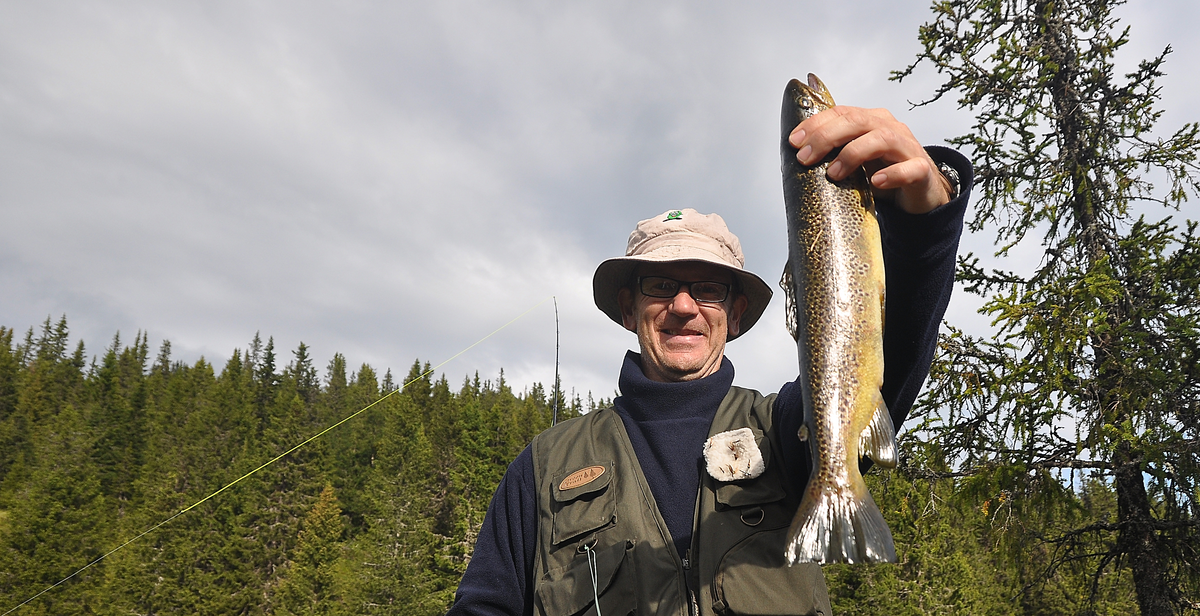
(58, 521)
(10, 371)
(116, 397)
(352, 447)
(308, 585)
(1094, 374)
(394, 557)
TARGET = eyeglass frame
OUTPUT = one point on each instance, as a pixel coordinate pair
(729, 287)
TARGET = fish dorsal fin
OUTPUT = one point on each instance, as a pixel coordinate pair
(878, 440)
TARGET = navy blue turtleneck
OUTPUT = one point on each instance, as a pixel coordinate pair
(667, 425)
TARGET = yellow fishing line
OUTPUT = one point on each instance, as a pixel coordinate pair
(275, 459)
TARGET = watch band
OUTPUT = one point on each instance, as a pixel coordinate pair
(951, 175)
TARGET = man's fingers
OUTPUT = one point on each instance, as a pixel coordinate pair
(878, 145)
(899, 168)
(836, 127)
(904, 173)
(915, 185)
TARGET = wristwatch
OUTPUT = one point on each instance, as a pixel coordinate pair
(951, 176)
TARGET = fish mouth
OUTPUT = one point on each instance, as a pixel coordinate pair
(809, 97)
(801, 102)
(814, 82)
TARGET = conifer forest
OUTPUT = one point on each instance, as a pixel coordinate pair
(1050, 466)
(378, 516)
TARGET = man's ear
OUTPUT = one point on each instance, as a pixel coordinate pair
(625, 302)
(735, 315)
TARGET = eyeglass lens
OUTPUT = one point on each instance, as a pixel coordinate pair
(701, 291)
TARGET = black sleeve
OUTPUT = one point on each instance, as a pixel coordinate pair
(498, 579)
(919, 254)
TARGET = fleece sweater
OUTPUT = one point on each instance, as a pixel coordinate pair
(668, 422)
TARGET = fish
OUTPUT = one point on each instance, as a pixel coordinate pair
(834, 284)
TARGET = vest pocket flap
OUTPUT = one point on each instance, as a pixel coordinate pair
(749, 493)
(752, 573)
(569, 486)
(569, 590)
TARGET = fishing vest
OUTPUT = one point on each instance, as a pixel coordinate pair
(600, 533)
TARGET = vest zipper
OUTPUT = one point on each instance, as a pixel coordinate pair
(691, 574)
(693, 608)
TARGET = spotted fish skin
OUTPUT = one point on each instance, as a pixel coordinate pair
(834, 282)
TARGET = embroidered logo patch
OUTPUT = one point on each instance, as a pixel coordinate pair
(581, 477)
(674, 215)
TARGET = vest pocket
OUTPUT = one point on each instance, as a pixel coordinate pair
(581, 508)
(568, 591)
(754, 578)
(766, 488)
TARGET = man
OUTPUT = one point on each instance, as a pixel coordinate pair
(616, 507)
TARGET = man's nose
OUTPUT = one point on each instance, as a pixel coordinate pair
(683, 302)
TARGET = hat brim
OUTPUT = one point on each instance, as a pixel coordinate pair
(613, 274)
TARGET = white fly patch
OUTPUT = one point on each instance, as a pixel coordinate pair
(733, 455)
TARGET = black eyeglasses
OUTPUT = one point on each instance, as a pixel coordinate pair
(705, 291)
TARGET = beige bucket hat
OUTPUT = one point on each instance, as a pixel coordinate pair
(680, 235)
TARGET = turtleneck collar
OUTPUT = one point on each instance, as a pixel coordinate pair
(646, 400)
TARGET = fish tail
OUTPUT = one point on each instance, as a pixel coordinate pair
(840, 526)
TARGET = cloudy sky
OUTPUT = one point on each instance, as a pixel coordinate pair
(394, 180)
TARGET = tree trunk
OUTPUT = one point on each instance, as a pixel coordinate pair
(1137, 538)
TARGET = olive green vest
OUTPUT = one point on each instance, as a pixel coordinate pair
(594, 505)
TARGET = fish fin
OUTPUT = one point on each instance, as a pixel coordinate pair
(789, 303)
(878, 439)
(836, 526)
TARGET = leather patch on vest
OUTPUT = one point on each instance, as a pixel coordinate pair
(581, 477)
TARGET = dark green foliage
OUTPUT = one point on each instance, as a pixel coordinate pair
(378, 516)
(10, 365)
(309, 585)
(951, 531)
(116, 391)
(1082, 412)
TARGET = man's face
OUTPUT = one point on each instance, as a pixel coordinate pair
(681, 339)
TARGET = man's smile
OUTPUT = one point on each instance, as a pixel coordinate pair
(682, 332)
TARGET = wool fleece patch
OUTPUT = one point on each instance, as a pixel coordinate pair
(733, 455)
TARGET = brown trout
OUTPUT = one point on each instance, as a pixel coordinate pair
(834, 284)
